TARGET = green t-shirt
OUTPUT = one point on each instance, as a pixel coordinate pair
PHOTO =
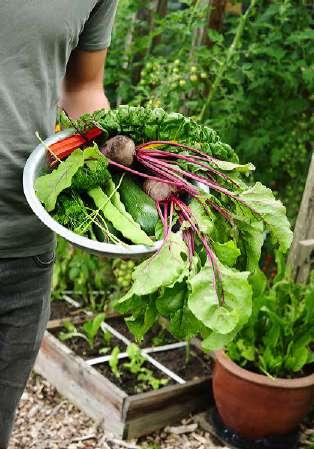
(36, 40)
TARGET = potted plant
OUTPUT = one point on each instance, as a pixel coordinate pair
(264, 380)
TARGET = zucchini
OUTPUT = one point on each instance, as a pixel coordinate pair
(131, 230)
(139, 205)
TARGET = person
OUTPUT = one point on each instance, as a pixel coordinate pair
(52, 52)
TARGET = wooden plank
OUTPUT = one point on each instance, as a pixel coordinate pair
(145, 413)
(124, 416)
(81, 384)
(54, 324)
(299, 257)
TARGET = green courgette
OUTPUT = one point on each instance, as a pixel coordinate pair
(139, 205)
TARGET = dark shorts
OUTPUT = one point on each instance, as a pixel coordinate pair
(25, 285)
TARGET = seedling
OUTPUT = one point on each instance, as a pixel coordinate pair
(92, 327)
(89, 330)
(114, 362)
(69, 332)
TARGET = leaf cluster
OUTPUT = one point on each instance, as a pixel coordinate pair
(279, 336)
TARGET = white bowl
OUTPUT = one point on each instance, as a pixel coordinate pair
(35, 164)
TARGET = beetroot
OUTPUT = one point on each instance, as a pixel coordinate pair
(158, 191)
(120, 149)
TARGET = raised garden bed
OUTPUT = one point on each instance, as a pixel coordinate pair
(115, 403)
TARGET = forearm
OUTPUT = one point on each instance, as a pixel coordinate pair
(80, 100)
(82, 88)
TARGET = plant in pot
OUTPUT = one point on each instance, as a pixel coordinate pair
(263, 382)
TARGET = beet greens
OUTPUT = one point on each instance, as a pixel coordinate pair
(212, 223)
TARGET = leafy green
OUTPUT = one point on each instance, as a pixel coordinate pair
(227, 252)
(278, 338)
(163, 269)
(92, 327)
(141, 123)
(48, 187)
(231, 166)
(261, 200)
(220, 319)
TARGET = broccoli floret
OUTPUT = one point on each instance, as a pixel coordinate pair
(93, 174)
(71, 212)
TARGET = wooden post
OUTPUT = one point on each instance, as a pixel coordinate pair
(301, 256)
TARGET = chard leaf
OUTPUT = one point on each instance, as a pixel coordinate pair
(237, 292)
(227, 252)
(163, 269)
(217, 341)
(48, 187)
(231, 166)
(261, 200)
(171, 299)
(139, 324)
(184, 324)
(203, 219)
(203, 299)
(237, 306)
(252, 237)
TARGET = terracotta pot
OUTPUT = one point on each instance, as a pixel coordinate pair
(256, 406)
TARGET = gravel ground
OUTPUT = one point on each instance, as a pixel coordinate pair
(45, 420)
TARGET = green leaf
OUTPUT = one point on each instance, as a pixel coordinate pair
(171, 299)
(252, 237)
(204, 221)
(139, 324)
(231, 166)
(163, 269)
(184, 325)
(48, 187)
(237, 292)
(227, 252)
(203, 299)
(91, 327)
(258, 281)
(217, 341)
(261, 200)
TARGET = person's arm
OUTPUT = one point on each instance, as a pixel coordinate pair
(82, 88)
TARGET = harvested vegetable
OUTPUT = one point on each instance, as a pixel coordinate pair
(139, 205)
(120, 149)
(157, 190)
(212, 221)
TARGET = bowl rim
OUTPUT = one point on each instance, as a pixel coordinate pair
(29, 175)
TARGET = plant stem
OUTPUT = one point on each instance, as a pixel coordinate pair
(187, 352)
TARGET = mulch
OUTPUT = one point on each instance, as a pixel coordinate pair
(45, 420)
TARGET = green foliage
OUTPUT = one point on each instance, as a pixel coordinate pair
(91, 328)
(114, 362)
(144, 375)
(263, 103)
(122, 270)
(48, 187)
(278, 338)
(70, 331)
(70, 211)
(89, 277)
(88, 331)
